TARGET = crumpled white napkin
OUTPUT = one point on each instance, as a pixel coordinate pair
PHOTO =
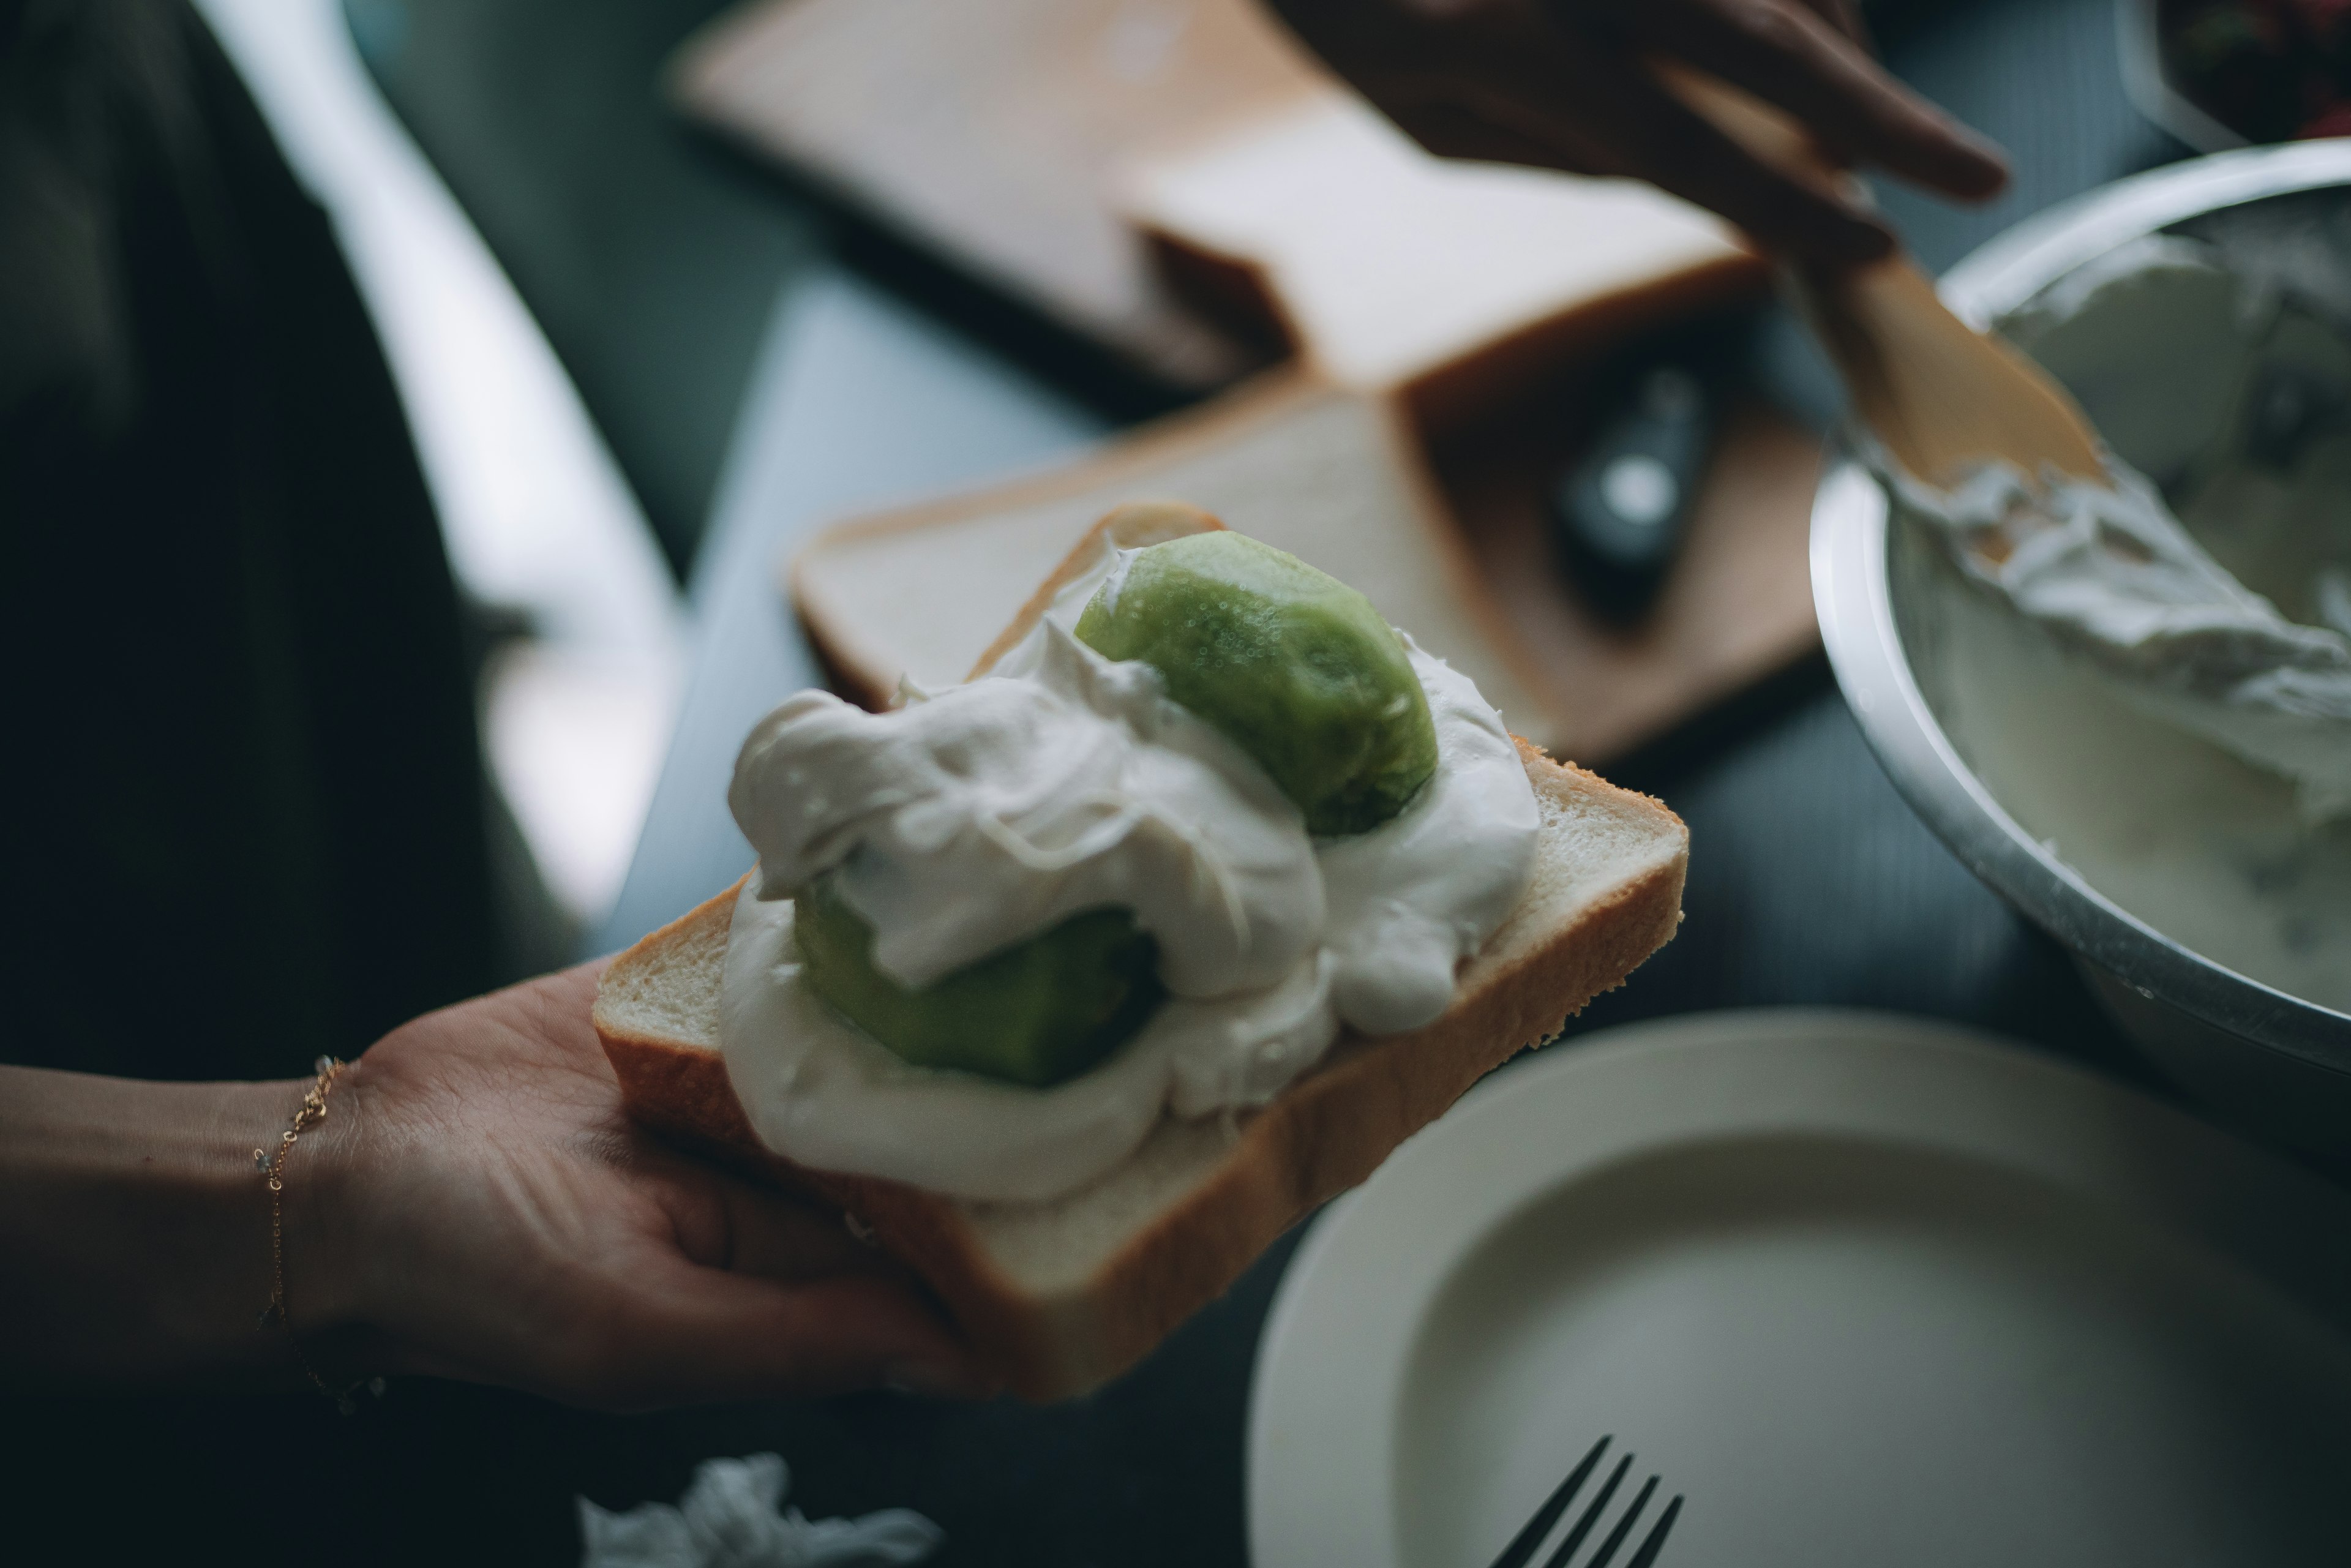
(729, 1518)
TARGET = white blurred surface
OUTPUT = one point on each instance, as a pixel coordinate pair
(534, 512)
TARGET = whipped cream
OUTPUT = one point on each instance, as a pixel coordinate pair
(984, 813)
(2108, 572)
(1080, 788)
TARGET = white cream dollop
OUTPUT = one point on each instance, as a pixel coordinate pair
(967, 822)
(983, 814)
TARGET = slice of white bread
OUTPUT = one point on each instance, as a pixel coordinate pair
(1331, 476)
(1451, 285)
(1064, 1295)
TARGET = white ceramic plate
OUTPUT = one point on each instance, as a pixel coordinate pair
(1864, 1290)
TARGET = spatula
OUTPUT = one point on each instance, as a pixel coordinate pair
(1937, 394)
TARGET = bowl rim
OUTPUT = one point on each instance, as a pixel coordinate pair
(1852, 597)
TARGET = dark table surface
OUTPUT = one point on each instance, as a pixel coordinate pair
(1811, 882)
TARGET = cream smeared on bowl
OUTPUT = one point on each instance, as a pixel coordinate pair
(2109, 573)
(979, 815)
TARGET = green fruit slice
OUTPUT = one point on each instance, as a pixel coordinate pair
(1288, 663)
(1037, 1013)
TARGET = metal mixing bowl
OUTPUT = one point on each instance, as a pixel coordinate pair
(2271, 1061)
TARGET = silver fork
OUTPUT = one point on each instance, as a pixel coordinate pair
(1528, 1541)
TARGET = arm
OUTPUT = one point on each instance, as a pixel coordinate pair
(134, 1231)
(1573, 85)
(475, 1205)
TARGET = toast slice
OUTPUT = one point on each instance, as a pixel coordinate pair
(1063, 1296)
(1488, 276)
(1334, 477)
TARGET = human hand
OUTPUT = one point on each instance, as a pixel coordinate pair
(477, 1205)
(1571, 84)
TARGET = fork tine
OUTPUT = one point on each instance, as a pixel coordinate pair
(1523, 1545)
(1657, 1541)
(1624, 1525)
(1591, 1516)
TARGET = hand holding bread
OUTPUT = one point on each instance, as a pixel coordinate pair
(479, 1207)
(474, 1204)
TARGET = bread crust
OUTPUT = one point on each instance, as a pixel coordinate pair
(1321, 1136)
(1483, 375)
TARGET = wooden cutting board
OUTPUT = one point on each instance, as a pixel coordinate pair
(993, 130)
(1737, 608)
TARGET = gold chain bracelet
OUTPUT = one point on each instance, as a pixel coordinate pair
(271, 1163)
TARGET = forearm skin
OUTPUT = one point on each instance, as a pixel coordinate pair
(134, 1231)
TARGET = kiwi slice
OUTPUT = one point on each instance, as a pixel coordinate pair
(1037, 1013)
(1288, 663)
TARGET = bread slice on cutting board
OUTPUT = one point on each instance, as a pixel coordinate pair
(1062, 1296)
(1451, 285)
(1065, 149)
(1334, 478)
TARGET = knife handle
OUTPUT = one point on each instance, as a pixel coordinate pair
(1618, 513)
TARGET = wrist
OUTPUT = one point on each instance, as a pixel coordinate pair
(134, 1230)
(319, 1255)
(224, 1323)
(227, 1322)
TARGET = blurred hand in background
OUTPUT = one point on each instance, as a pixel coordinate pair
(1573, 85)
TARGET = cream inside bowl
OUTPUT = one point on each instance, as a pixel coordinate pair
(2226, 379)
(2207, 898)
